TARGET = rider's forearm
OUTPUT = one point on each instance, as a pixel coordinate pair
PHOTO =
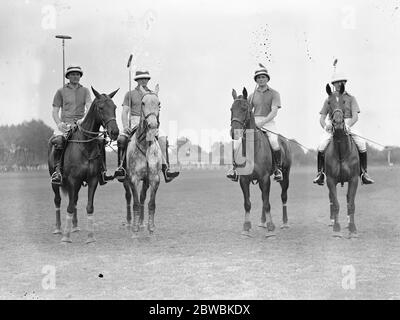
(353, 120)
(271, 116)
(125, 117)
(56, 116)
(322, 121)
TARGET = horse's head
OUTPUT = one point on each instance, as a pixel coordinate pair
(150, 110)
(337, 115)
(105, 108)
(240, 114)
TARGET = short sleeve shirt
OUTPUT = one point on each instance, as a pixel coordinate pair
(136, 96)
(264, 100)
(72, 101)
(347, 103)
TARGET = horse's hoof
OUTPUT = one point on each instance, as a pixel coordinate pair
(353, 235)
(270, 234)
(285, 226)
(66, 239)
(57, 231)
(90, 240)
(76, 229)
(246, 233)
(337, 234)
(262, 225)
(270, 226)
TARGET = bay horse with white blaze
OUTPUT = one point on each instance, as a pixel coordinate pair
(144, 160)
(341, 165)
(259, 160)
(82, 162)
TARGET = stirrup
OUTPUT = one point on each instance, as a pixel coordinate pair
(320, 178)
(232, 174)
(120, 174)
(365, 179)
(56, 178)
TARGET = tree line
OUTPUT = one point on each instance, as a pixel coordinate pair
(26, 145)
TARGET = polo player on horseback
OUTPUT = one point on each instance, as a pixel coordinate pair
(74, 101)
(350, 110)
(265, 102)
(132, 107)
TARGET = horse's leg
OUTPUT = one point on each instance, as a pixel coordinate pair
(128, 198)
(75, 227)
(92, 186)
(136, 206)
(70, 211)
(334, 206)
(143, 192)
(284, 185)
(245, 185)
(351, 195)
(154, 183)
(57, 204)
(265, 186)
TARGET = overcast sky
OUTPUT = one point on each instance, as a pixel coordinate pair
(199, 50)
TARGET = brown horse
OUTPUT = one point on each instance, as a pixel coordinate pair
(82, 162)
(259, 165)
(341, 165)
(144, 159)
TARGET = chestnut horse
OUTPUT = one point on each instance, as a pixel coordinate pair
(82, 162)
(259, 163)
(341, 164)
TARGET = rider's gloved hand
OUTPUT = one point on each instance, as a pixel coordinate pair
(63, 127)
(328, 127)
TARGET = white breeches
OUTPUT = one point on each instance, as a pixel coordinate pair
(273, 138)
(360, 143)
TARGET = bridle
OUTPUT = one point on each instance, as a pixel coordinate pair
(333, 113)
(244, 122)
(97, 134)
(146, 116)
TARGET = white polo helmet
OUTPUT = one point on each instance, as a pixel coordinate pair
(73, 68)
(338, 77)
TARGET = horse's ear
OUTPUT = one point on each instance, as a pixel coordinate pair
(96, 94)
(244, 93)
(112, 94)
(157, 88)
(234, 94)
(341, 91)
(328, 89)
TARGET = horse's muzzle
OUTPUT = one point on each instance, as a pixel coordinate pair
(113, 131)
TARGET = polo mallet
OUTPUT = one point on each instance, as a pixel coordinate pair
(63, 37)
(130, 87)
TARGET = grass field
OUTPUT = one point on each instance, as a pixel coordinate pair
(197, 251)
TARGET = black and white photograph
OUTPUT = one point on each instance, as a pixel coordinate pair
(200, 150)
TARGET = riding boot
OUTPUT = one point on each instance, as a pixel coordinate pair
(56, 177)
(120, 173)
(168, 176)
(103, 175)
(278, 176)
(320, 164)
(365, 178)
